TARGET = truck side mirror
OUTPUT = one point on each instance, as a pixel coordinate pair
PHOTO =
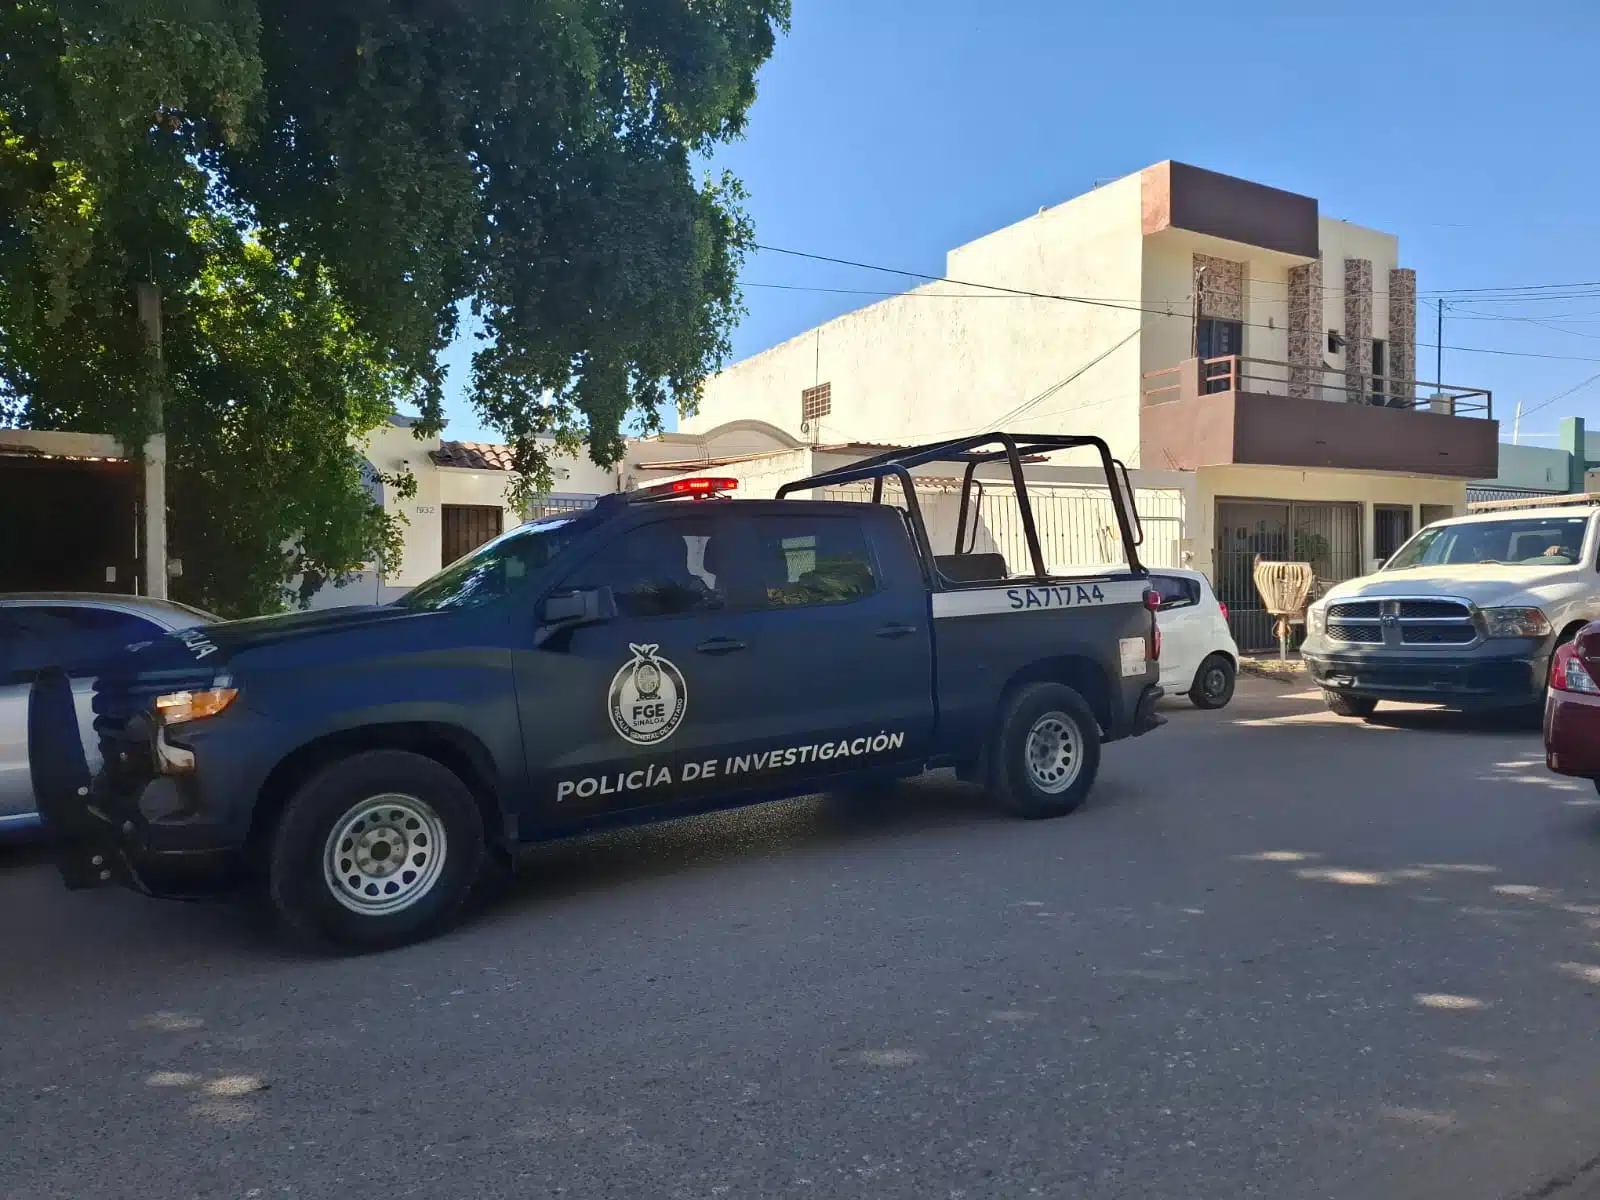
(581, 606)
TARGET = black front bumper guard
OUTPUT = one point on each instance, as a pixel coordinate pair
(82, 838)
(96, 833)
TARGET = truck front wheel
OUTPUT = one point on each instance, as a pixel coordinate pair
(1341, 704)
(376, 850)
(1046, 751)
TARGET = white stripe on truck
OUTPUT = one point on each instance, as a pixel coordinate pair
(1037, 597)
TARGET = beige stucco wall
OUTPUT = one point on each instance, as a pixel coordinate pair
(392, 449)
(941, 360)
(1341, 240)
(1283, 483)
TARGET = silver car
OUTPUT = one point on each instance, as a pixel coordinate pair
(77, 631)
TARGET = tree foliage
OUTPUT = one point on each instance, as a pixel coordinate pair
(318, 186)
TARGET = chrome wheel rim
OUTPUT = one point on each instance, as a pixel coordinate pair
(384, 855)
(1054, 751)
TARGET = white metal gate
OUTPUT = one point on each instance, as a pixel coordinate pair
(1077, 523)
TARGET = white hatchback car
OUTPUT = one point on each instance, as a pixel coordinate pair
(1198, 653)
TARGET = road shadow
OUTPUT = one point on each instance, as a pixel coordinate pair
(603, 861)
(1444, 720)
(23, 850)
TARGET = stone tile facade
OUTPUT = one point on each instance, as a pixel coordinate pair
(1357, 329)
(1305, 330)
(1403, 336)
(1220, 288)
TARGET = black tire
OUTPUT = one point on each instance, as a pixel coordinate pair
(1532, 714)
(1213, 682)
(428, 794)
(1012, 781)
(1550, 663)
(1343, 705)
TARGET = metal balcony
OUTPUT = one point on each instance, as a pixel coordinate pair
(1238, 410)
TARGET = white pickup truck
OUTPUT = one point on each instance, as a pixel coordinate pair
(1466, 614)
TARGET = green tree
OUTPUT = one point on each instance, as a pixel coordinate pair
(296, 174)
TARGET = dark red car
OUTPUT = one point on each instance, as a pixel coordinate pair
(1572, 707)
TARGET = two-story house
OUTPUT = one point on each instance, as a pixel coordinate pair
(1199, 323)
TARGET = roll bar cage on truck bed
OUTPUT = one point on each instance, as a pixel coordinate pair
(976, 451)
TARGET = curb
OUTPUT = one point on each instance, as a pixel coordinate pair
(1292, 671)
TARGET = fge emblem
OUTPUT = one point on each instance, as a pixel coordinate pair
(648, 697)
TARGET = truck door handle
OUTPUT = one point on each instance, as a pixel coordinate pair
(720, 645)
(896, 631)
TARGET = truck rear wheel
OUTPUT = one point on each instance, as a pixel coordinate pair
(1046, 751)
(376, 850)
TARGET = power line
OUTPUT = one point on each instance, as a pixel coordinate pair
(988, 287)
(1100, 303)
(1562, 395)
(796, 287)
(1527, 287)
(1499, 294)
(1054, 388)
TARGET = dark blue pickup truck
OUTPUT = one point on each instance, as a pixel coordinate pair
(669, 651)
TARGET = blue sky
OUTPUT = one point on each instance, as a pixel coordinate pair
(888, 131)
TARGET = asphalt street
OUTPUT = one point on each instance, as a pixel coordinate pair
(1278, 954)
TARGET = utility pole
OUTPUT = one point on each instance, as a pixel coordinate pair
(155, 451)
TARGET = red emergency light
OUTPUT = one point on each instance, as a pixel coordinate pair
(692, 486)
(698, 488)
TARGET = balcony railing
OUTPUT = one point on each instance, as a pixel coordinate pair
(1257, 412)
(1265, 376)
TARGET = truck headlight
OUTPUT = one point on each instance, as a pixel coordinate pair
(1316, 620)
(177, 708)
(1515, 623)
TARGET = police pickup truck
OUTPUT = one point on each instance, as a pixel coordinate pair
(669, 651)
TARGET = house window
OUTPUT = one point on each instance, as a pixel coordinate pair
(816, 402)
(1391, 526)
(465, 527)
(1380, 387)
(1217, 339)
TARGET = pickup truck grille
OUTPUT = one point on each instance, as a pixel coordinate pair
(1407, 621)
(1438, 634)
(1356, 631)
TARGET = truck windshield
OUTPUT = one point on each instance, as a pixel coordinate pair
(1515, 541)
(496, 567)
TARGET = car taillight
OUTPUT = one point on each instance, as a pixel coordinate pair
(1568, 674)
(1224, 609)
(1152, 600)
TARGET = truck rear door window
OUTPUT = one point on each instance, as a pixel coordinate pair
(663, 569)
(813, 560)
